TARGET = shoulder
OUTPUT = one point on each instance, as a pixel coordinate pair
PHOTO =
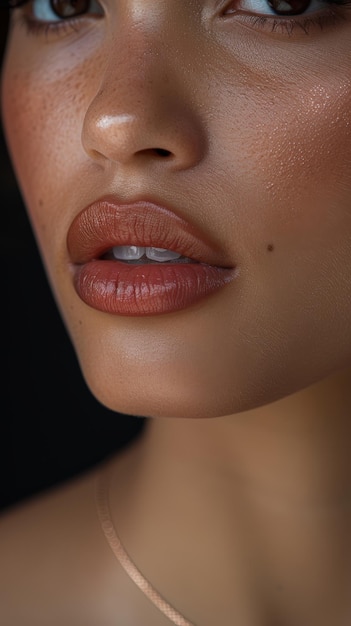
(53, 556)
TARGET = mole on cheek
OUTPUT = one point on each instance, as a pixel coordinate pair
(270, 247)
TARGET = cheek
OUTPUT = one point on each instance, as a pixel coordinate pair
(308, 188)
(310, 148)
(285, 158)
(33, 128)
(43, 103)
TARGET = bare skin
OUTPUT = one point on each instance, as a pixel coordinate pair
(243, 520)
(235, 503)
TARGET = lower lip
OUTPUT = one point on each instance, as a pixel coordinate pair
(153, 289)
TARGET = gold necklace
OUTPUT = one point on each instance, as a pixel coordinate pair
(104, 513)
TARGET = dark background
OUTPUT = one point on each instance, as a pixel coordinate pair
(51, 427)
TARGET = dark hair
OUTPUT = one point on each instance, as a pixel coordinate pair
(4, 24)
(11, 4)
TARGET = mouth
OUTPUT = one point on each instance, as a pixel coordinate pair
(140, 259)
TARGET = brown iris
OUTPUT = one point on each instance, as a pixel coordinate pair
(69, 8)
(289, 7)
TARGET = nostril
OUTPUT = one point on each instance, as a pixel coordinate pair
(162, 153)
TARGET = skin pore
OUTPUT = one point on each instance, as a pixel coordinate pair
(236, 502)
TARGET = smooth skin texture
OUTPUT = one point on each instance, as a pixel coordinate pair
(236, 502)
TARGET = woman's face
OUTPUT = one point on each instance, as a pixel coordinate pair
(219, 130)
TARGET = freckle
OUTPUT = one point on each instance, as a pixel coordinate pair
(270, 247)
(40, 202)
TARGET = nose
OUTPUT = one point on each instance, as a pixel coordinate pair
(143, 111)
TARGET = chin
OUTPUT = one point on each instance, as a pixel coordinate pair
(199, 363)
(154, 393)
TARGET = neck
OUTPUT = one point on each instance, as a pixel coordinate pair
(296, 452)
(267, 491)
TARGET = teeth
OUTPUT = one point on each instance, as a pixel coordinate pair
(128, 253)
(134, 253)
(161, 254)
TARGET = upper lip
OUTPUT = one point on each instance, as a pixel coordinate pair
(107, 223)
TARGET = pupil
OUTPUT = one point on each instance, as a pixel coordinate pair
(69, 8)
(289, 7)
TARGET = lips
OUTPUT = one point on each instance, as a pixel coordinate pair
(116, 287)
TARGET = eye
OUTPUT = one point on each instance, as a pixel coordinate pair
(276, 7)
(56, 10)
(289, 7)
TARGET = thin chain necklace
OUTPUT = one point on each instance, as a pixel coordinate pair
(104, 513)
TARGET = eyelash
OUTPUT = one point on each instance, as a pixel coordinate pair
(289, 25)
(303, 22)
(276, 24)
(37, 28)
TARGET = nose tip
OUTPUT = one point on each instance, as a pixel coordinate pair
(120, 138)
(156, 130)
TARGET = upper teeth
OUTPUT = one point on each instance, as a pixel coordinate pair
(134, 253)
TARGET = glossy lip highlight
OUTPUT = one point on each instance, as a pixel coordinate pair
(138, 290)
